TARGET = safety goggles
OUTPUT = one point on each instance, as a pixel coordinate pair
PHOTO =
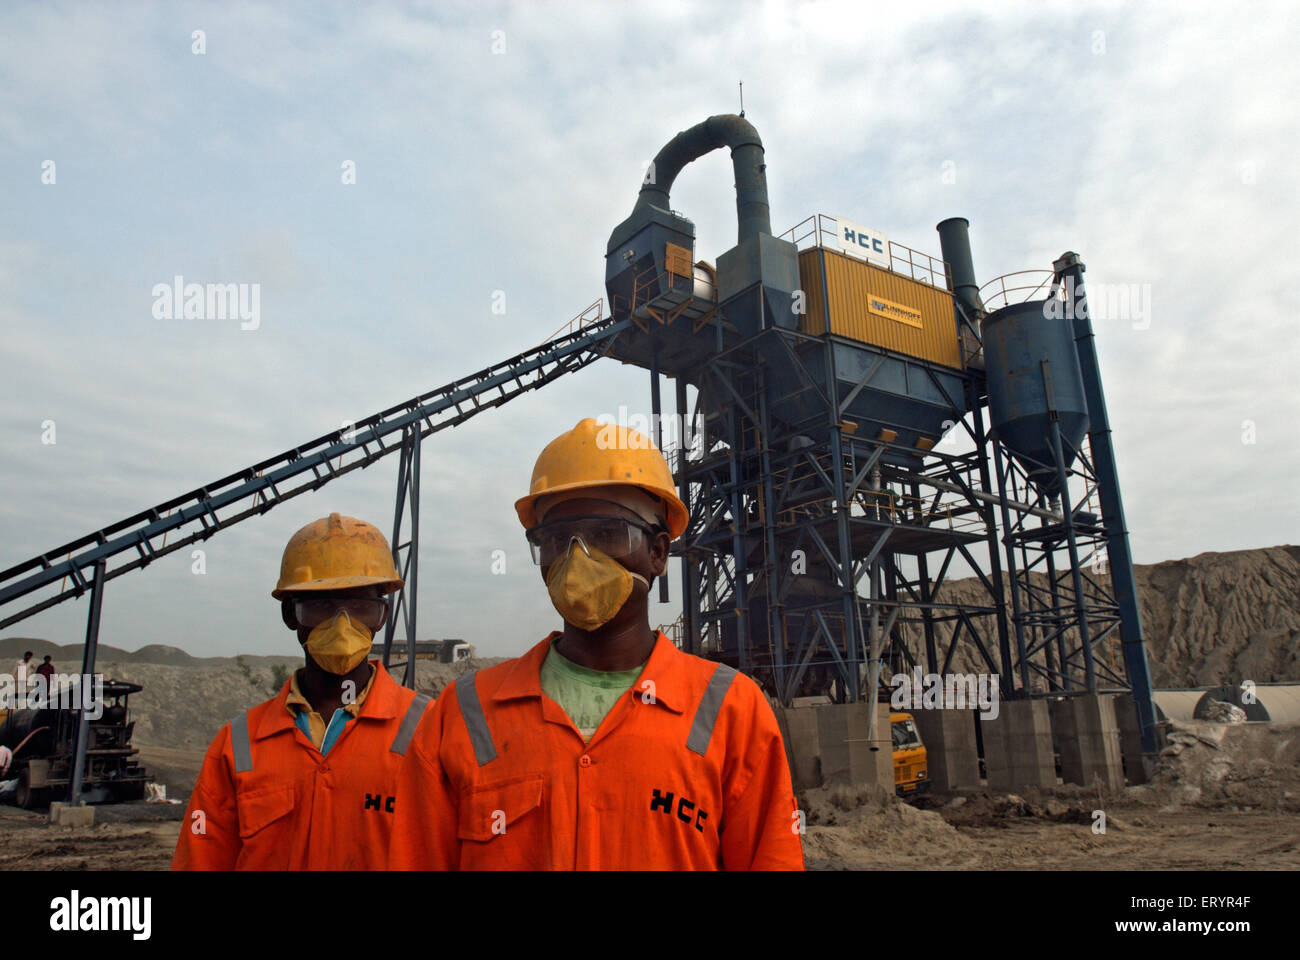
(614, 536)
(314, 611)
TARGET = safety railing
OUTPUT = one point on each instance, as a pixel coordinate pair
(1025, 285)
(645, 286)
(943, 510)
(821, 230)
(904, 509)
(592, 314)
(893, 508)
(646, 282)
(920, 266)
(675, 631)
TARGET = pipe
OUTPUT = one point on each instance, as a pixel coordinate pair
(954, 242)
(1068, 270)
(23, 742)
(986, 497)
(723, 130)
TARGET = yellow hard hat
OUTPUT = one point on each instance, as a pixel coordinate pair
(602, 455)
(335, 553)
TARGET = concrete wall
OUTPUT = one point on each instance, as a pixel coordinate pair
(951, 753)
(1088, 739)
(1136, 767)
(802, 744)
(1018, 746)
(848, 755)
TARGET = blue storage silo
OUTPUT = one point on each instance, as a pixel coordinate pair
(1029, 351)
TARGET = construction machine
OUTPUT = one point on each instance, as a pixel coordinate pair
(43, 741)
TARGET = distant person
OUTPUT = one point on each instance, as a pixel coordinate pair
(308, 779)
(604, 746)
(46, 670)
(21, 671)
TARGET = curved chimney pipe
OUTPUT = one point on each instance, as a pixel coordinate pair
(723, 130)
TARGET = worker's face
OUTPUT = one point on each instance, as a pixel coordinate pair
(649, 557)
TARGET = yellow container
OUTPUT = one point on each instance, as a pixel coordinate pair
(877, 306)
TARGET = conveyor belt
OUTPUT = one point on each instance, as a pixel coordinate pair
(141, 538)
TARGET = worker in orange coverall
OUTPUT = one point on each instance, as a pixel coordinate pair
(604, 746)
(282, 787)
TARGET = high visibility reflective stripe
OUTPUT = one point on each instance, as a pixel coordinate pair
(410, 721)
(470, 708)
(239, 743)
(710, 704)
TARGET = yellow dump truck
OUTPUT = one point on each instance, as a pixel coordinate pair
(911, 776)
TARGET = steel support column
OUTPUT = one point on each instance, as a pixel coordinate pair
(88, 656)
(1069, 269)
(404, 607)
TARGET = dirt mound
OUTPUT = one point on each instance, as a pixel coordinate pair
(1209, 619)
(1223, 617)
(1248, 765)
(851, 828)
(1004, 810)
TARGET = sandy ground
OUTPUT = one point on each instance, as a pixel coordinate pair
(985, 832)
(1006, 832)
(27, 842)
(1223, 797)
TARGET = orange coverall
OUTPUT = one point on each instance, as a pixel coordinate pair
(687, 771)
(270, 800)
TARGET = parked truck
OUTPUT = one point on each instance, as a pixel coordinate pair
(911, 771)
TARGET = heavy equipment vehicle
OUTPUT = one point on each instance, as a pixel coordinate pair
(43, 742)
(911, 771)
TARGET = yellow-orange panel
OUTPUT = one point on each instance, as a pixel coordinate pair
(879, 307)
(810, 281)
(677, 260)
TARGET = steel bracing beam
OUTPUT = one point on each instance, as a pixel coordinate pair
(765, 490)
(143, 537)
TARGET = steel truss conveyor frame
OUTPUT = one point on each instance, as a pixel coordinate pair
(144, 536)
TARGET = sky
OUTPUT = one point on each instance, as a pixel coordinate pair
(419, 191)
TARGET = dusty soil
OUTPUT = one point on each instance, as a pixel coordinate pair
(987, 832)
(27, 842)
(1008, 832)
(1222, 797)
